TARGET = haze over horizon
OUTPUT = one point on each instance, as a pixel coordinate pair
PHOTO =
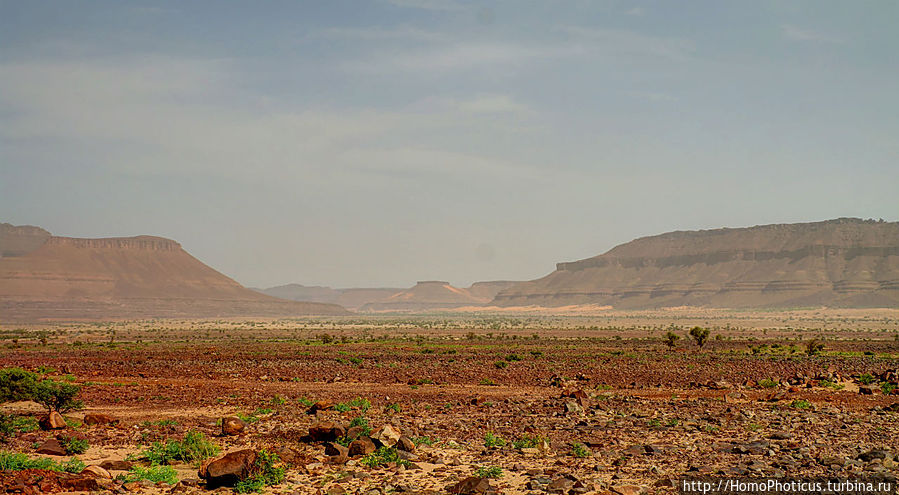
(365, 144)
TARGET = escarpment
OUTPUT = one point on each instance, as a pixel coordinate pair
(840, 263)
(46, 277)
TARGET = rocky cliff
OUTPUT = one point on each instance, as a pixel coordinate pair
(43, 277)
(842, 263)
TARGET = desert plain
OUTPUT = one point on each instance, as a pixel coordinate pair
(469, 401)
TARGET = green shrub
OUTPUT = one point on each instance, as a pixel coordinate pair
(671, 339)
(74, 445)
(887, 388)
(382, 457)
(267, 471)
(700, 335)
(393, 408)
(305, 402)
(528, 442)
(422, 441)
(17, 384)
(57, 396)
(489, 472)
(491, 440)
(513, 357)
(11, 424)
(813, 347)
(866, 379)
(767, 383)
(580, 450)
(155, 474)
(17, 462)
(501, 364)
(194, 449)
(801, 404)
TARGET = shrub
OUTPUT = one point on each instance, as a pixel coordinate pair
(17, 462)
(57, 396)
(392, 408)
(489, 472)
(513, 357)
(813, 347)
(491, 440)
(305, 402)
(74, 445)
(671, 339)
(17, 384)
(580, 450)
(527, 442)
(155, 474)
(767, 383)
(10, 424)
(195, 448)
(267, 471)
(801, 404)
(700, 335)
(887, 388)
(382, 457)
(422, 441)
(501, 364)
(866, 379)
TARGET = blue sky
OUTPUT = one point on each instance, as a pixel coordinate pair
(351, 143)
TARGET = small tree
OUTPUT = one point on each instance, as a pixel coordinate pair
(671, 339)
(813, 347)
(700, 335)
(57, 396)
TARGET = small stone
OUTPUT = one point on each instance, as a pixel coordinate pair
(406, 444)
(470, 486)
(361, 446)
(326, 432)
(386, 436)
(115, 465)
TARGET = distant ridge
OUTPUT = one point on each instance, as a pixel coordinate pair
(45, 277)
(847, 262)
(424, 296)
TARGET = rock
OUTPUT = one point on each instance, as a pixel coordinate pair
(573, 407)
(866, 390)
(52, 447)
(333, 449)
(53, 421)
(470, 486)
(228, 469)
(361, 446)
(232, 426)
(96, 472)
(336, 490)
(386, 436)
(355, 432)
(91, 419)
(758, 447)
(560, 485)
(780, 435)
(322, 405)
(627, 489)
(405, 443)
(286, 454)
(326, 432)
(115, 465)
(873, 454)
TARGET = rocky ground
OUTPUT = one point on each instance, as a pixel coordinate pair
(468, 414)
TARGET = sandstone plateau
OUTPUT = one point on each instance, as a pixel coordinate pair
(48, 277)
(837, 263)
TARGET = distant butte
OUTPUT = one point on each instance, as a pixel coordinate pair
(845, 262)
(43, 277)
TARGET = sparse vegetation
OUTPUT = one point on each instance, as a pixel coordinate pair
(382, 457)
(154, 474)
(700, 335)
(493, 472)
(267, 471)
(194, 449)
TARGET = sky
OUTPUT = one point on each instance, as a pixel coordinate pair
(376, 143)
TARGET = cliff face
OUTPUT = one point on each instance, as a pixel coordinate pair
(842, 263)
(128, 277)
(20, 240)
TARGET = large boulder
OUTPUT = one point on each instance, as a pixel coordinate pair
(53, 421)
(362, 446)
(228, 469)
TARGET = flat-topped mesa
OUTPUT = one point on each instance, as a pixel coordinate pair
(19, 240)
(842, 262)
(122, 277)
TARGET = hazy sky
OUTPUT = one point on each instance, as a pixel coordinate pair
(351, 143)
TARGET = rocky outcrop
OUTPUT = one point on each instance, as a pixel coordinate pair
(841, 263)
(348, 298)
(427, 295)
(127, 277)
